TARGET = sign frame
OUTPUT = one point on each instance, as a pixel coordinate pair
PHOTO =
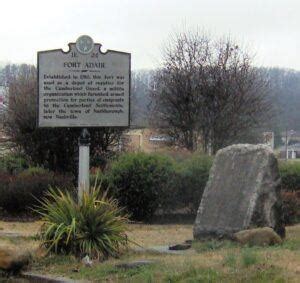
(98, 46)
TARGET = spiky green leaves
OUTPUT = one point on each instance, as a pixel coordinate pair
(96, 227)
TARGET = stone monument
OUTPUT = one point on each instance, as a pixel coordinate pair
(243, 192)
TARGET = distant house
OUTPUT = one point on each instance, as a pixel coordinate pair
(290, 135)
(292, 152)
(148, 140)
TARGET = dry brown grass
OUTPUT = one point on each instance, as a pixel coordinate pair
(25, 229)
(157, 235)
(293, 232)
(283, 260)
(145, 235)
(18, 236)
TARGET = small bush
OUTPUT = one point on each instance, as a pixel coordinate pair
(100, 159)
(96, 227)
(290, 191)
(291, 207)
(20, 192)
(34, 171)
(5, 180)
(192, 175)
(13, 163)
(290, 175)
(140, 182)
(98, 177)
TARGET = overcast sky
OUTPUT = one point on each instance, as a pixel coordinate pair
(269, 27)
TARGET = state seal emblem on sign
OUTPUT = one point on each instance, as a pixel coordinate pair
(85, 44)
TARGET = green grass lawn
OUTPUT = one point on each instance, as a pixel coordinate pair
(208, 261)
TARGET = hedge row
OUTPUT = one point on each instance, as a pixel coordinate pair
(290, 180)
(291, 207)
(290, 175)
(13, 163)
(20, 192)
(143, 183)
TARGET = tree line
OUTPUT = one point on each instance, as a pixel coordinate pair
(232, 104)
(207, 93)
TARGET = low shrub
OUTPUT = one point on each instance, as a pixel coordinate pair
(34, 171)
(290, 175)
(98, 177)
(13, 163)
(100, 159)
(291, 207)
(192, 175)
(20, 192)
(140, 182)
(96, 227)
(290, 191)
(5, 179)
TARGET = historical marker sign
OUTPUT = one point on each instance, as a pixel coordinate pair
(83, 87)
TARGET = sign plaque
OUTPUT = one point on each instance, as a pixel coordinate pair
(83, 87)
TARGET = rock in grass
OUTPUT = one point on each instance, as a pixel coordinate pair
(11, 262)
(180, 247)
(243, 191)
(257, 237)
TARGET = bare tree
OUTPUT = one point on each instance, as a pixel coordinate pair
(141, 82)
(208, 90)
(237, 102)
(178, 101)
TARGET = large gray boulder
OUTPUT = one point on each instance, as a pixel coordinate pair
(243, 191)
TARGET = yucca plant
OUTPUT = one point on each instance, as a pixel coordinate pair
(96, 227)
